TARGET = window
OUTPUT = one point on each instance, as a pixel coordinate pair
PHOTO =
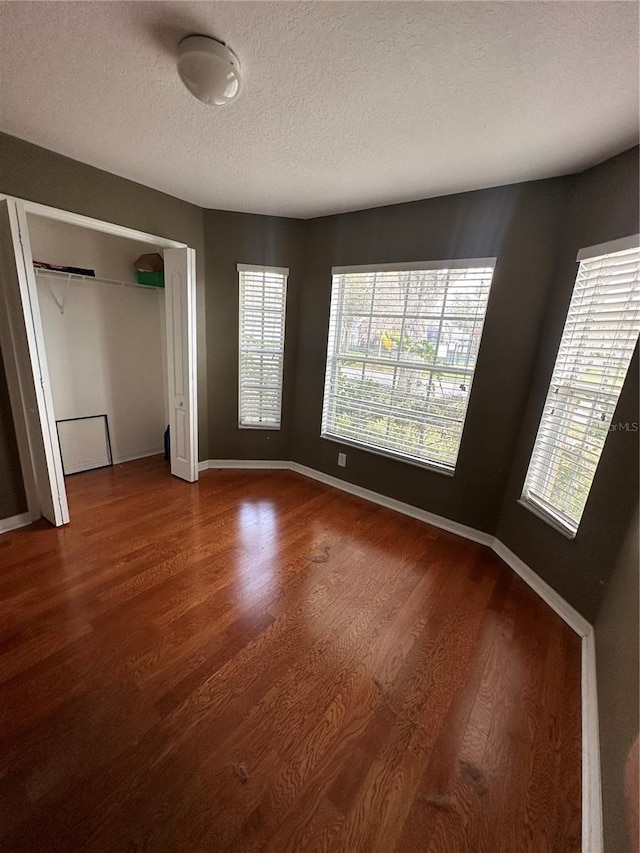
(597, 343)
(263, 295)
(402, 349)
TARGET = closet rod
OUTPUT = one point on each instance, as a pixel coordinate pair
(80, 279)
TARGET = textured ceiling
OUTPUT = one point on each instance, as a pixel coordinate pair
(345, 105)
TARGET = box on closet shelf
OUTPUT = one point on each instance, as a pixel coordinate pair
(150, 270)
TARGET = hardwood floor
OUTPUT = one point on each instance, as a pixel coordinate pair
(261, 663)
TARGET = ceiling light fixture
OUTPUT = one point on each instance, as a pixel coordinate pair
(209, 69)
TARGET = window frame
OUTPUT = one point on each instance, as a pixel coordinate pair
(536, 505)
(410, 266)
(283, 271)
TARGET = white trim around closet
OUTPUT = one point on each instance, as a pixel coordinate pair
(32, 207)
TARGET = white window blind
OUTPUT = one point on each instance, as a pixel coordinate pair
(597, 343)
(263, 295)
(401, 356)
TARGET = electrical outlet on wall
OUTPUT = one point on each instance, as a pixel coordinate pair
(342, 460)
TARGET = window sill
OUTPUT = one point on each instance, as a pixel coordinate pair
(397, 457)
(542, 513)
(260, 426)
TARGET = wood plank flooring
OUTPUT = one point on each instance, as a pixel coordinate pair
(261, 663)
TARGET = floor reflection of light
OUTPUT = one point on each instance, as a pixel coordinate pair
(257, 522)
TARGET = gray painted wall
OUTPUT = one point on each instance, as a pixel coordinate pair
(522, 226)
(618, 660)
(230, 239)
(604, 207)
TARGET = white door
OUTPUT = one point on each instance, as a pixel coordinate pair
(25, 360)
(179, 277)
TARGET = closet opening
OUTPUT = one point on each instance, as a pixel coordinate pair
(105, 345)
(100, 359)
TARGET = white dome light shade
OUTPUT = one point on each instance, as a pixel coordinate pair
(209, 70)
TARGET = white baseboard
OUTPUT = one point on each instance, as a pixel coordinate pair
(592, 836)
(392, 503)
(258, 464)
(16, 521)
(94, 465)
(547, 594)
(122, 459)
(592, 826)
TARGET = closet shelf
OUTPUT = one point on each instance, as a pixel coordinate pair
(79, 279)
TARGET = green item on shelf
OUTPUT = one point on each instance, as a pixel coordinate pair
(150, 269)
(152, 279)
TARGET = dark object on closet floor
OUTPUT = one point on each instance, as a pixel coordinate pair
(167, 445)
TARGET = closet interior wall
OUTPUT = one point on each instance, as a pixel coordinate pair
(105, 343)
